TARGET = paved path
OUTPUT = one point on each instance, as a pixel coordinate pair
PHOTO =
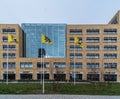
(57, 97)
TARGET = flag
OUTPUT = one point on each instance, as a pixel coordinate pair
(11, 38)
(76, 40)
(45, 39)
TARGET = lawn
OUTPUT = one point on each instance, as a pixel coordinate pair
(61, 88)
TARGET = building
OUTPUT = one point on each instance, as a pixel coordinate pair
(97, 60)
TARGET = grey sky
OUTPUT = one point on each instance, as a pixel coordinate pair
(58, 11)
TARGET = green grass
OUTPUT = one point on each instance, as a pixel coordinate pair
(18, 88)
(61, 88)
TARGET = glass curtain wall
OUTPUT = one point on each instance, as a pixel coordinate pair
(55, 32)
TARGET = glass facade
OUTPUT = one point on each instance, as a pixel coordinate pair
(55, 32)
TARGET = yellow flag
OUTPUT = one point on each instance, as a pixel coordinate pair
(11, 38)
(45, 39)
(76, 40)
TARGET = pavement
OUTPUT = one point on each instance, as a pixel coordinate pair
(57, 97)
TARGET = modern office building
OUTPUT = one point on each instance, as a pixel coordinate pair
(98, 59)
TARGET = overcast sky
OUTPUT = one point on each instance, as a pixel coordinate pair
(58, 11)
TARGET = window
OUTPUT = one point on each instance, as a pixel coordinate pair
(8, 30)
(4, 39)
(92, 39)
(10, 47)
(26, 65)
(110, 76)
(76, 76)
(72, 39)
(10, 64)
(75, 31)
(92, 31)
(110, 65)
(75, 48)
(110, 47)
(92, 65)
(110, 39)
(10, 55)
(46, 65)
(93, 76)
(110, 55)
(77, 55)
(77, 65)
(110, 31)
(92, 47)
(59, 64)
(92, 55)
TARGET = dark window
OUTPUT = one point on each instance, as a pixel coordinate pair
(92, 31)
(46, 65)
(10, 31)
(75, 31)
(4, 39)
(110, 31)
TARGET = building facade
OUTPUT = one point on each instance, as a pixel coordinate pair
(97, 60)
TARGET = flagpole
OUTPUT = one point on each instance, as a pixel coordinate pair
(7, 65)
(45, 40)
(43, 91)
(41, 62)
(76, 40)
(10, 39)
(53, 41)
(74, 63)
(42, 71)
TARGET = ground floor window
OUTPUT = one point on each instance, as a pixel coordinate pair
(59, 77)
(110, 77)
(10, 76)
(26, 76)
(77, 77)
(40, 76)
(93, 77)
